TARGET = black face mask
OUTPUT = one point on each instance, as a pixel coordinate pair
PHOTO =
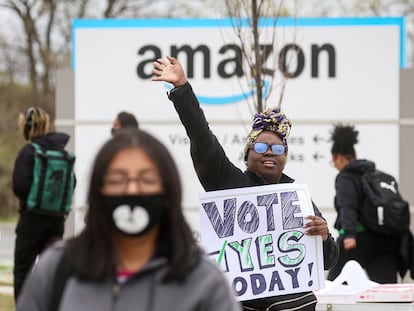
(113, 131)
(134, 215)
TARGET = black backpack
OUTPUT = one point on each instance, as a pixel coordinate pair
(384, 211)
(53, 182)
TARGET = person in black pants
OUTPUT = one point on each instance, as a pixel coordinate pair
(377, 253)
(265, 156)
(34, 232)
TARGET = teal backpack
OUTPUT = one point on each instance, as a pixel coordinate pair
(53, 182)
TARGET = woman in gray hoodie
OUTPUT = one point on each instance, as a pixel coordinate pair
(136, 251)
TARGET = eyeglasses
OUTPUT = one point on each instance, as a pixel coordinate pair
(118, 183)
(278, 149)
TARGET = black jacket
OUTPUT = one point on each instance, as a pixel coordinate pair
(23, 166)
(349, 200)
(213, 167)
(350, 195)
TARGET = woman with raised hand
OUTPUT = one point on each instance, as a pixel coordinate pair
(265, 151)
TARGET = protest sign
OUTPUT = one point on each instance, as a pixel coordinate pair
(256, 236)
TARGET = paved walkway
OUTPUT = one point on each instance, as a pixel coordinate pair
(7, 237)
(6, 290)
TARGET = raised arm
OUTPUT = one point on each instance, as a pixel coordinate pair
(213, 168)
(169, 70)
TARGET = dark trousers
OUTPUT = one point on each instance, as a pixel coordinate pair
(34, 233)
(377, 254)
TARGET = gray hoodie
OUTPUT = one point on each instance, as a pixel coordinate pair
(204, 289)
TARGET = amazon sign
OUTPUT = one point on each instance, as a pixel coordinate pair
(231, 64)
(321, 70)
(319, 65)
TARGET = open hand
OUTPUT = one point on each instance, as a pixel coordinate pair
(169, 70)
(350, 243)
(317, 226)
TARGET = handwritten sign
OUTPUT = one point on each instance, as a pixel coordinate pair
(256, 236)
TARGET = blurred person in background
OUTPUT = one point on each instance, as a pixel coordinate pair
(34, 232)
(136, 251)
(124, 120)
(376, 253)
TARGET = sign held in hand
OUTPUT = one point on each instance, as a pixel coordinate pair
(256, 236)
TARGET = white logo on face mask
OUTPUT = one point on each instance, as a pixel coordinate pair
(130, 221)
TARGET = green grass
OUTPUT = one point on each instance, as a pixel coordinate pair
(6, 273)
(10, 219)
(6, 302)
(6, 278)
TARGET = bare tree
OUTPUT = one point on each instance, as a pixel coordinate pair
(46, 26)
(125, 8)
(10, 67)
(403, 8)
(37, 41)
(257, 45)
(378, 8)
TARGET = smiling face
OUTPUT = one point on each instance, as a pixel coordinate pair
(268, 165)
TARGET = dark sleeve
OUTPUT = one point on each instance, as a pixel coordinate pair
(347, 201)
(22, 176)
(213, 167)
(330, 248)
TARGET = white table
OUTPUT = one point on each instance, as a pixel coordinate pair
(338, 303)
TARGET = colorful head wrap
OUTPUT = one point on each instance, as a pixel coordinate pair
(273, 120)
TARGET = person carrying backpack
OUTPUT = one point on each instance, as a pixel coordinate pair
(376, 252)
(37, 227)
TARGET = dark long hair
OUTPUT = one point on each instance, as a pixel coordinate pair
(93, 251)
(344, 137)
(127, 120)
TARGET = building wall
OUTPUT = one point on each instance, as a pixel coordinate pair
(407, 134)
(65, 112)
